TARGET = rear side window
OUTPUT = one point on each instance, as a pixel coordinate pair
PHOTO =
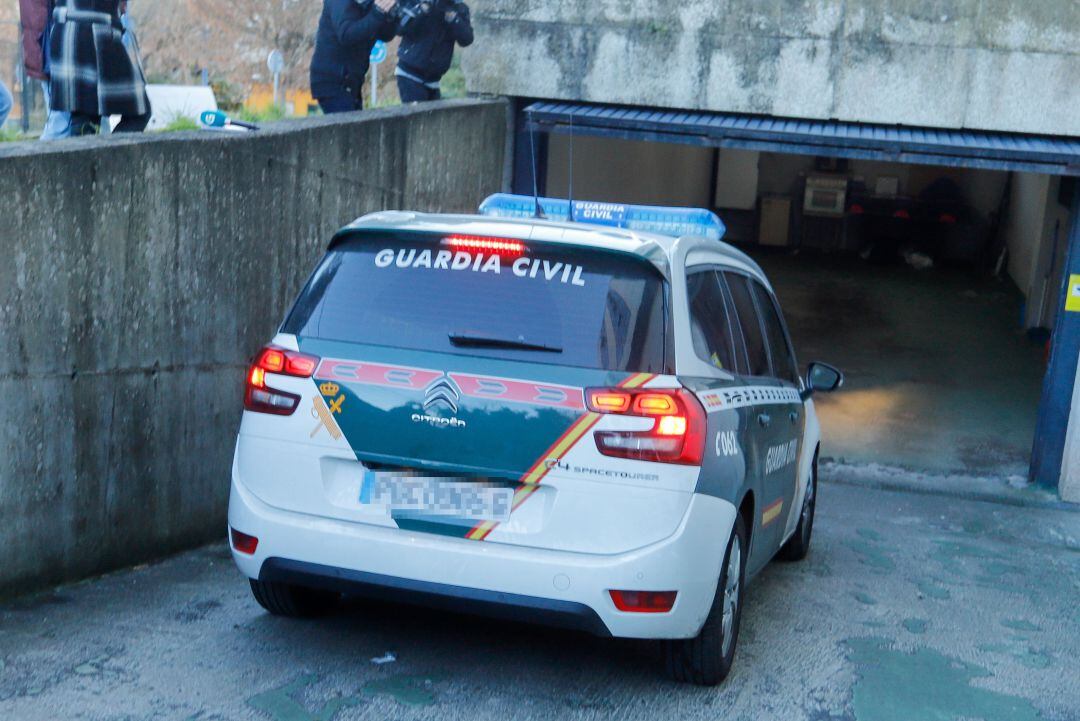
(783, 360)
(756, 352)
(709, 323)
(534, 302)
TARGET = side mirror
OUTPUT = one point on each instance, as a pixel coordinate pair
(823, 378)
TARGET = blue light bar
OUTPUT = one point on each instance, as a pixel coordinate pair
(675, 222)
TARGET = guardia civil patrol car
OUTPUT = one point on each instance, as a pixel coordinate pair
(593, 420)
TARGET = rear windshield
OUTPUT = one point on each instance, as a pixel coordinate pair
(534, 302)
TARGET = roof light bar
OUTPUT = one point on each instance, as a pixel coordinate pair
(676, 222)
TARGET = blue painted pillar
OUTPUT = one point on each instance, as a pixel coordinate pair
(1049, 449)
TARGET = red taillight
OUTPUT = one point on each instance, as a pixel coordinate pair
(672, 426)
(655, 404)
(856, 209)
(677, 434)
(609, 401)
(301, 366)
(243, 543)
(259, 397)
(501, 246)
(902, 215)
(272, 359)
(947, 219)
(644, 601)
(286, 362)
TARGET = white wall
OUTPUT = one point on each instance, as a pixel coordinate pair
(670, 174)
(1036, 233)
(1052, 255)
(1023, 229)
(737, 179)
(630, 171)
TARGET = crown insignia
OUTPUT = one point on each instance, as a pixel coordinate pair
(329, 389)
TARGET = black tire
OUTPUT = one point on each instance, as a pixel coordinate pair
(798, 546)
(282, 599)
(706, 659)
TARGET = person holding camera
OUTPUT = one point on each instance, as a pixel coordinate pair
(429, 30)
(347, 32)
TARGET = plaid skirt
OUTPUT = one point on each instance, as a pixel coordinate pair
(93, 71)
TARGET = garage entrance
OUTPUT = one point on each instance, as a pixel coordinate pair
(929, 265)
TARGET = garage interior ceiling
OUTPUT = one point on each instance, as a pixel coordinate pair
(899, 144)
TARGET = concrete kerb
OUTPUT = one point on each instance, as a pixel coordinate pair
(281, 127)
(986, 489)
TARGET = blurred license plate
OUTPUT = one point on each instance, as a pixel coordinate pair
(452, 497)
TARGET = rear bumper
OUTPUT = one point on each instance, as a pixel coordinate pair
(458, 599)
(548, 587)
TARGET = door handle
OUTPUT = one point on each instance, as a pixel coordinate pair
(794, 417)
(764, 419)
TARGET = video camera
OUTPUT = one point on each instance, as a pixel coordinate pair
(407, 11)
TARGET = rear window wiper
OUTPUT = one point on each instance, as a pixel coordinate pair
(477, 340)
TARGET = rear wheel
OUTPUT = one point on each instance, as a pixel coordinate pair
(282, 599)
(706, 659)
(798, 546)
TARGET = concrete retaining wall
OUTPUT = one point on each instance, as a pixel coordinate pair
(138, 276)
(1009, 65)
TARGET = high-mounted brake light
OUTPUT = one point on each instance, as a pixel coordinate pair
(261, 398)
(501, 246)
(676, 436)
(644, 601)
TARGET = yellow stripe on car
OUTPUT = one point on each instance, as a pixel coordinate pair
(771, 513)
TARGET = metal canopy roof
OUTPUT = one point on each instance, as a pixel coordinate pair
(900, 144)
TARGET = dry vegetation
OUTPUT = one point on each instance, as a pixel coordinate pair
(230, 40)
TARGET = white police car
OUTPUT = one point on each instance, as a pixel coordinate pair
(596, 427)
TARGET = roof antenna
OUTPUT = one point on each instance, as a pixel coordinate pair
(570, 190)
(539, 210)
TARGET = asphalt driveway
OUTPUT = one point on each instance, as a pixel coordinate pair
(910, 607)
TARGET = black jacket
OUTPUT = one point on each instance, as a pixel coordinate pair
(427, 45)
(347, 31)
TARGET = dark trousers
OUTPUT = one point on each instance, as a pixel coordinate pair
(83, 124)
(341, 101)
(132, 123)
(414, 92)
